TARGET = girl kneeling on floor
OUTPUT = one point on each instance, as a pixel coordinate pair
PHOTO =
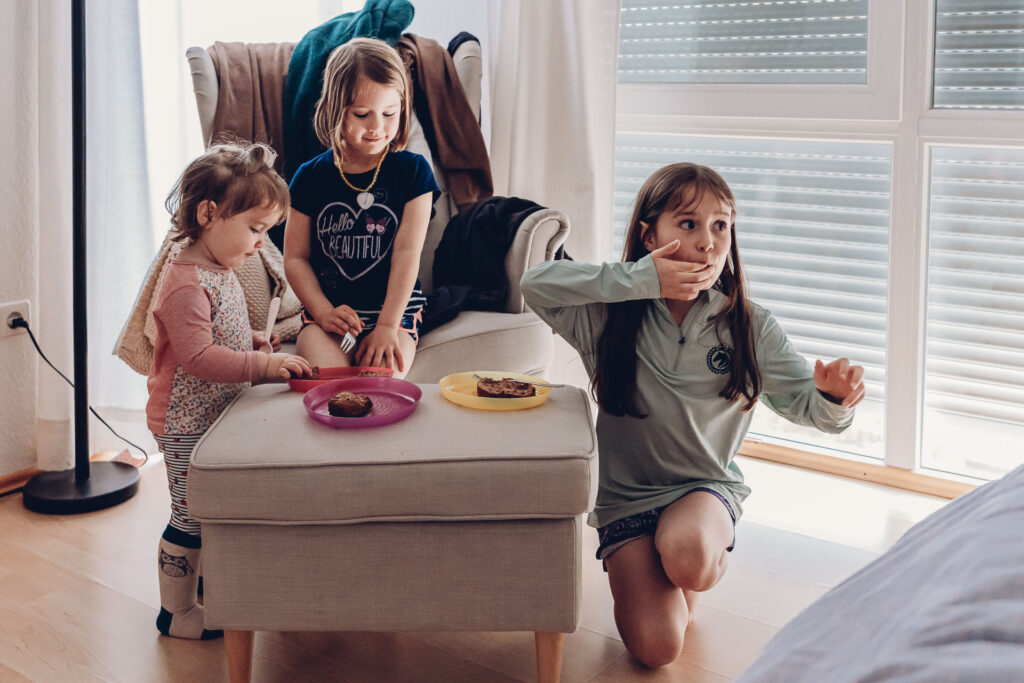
(678, 357)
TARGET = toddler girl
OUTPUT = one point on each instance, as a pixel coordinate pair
(221, 207)
(677, 357)
(359, 216)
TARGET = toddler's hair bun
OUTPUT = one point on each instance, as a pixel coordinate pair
(260, 155)
(235, 174)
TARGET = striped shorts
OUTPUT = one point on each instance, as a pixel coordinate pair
(177, 448)
(410, 323)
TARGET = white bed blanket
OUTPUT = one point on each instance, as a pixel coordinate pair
(944, 604)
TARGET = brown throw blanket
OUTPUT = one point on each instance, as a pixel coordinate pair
(458, 146)
(250, 89)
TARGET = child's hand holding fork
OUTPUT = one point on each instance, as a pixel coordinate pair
(340, 320)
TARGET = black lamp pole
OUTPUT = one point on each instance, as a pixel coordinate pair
(104, 484)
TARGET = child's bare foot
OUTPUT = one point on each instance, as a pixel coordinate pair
(691, 604)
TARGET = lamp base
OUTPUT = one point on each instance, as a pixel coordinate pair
(57, 493)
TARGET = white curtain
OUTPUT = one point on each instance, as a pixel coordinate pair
(551, 67)
(118, 241)
(548, 102)
(118, 220)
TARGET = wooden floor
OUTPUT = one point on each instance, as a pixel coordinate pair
(78, 597)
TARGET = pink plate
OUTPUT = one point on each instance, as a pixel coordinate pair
(393, 400)
(304, 384)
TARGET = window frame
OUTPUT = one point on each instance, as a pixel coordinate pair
(894, 107)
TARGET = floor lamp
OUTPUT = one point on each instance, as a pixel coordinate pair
(88, 486)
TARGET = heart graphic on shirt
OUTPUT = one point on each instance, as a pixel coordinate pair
(356, 239)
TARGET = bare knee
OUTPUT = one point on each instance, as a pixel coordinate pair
(320, 348)
(695, 566)
(654, 645)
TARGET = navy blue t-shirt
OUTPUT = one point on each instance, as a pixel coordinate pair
(350, 247)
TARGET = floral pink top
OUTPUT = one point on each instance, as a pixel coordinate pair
(203, 355)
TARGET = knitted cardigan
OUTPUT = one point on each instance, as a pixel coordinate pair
(262, 278)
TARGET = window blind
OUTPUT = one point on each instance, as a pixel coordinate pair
(979, 54)
(760, 41)
(813, 235)
(974, 362)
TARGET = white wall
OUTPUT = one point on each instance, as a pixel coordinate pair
(19, 201)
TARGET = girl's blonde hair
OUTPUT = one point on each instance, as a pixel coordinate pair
(236, 176)
(359, 57)
(681, 185)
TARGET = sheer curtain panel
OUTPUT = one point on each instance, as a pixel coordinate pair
(551, 69)
(120, 236)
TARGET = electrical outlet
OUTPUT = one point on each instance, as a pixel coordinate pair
(9, 312)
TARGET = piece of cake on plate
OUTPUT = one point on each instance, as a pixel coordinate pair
(347, 404)
(504, 388)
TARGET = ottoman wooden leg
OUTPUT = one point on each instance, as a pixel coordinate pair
(549, 655)
(238, 647)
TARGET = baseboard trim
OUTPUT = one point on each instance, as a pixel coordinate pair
(876, 474)
(16, 480)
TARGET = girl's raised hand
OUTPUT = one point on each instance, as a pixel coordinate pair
(840, 381)
(680, 279)
(284, 366)
(380, 349)
(340, 320)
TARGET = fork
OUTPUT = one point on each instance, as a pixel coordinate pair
(525, 381)
(348, 342)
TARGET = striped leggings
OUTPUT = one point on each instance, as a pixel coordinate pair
(177, 448)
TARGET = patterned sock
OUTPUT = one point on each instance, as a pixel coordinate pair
(180, 615)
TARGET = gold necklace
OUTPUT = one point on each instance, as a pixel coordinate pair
(364, 199)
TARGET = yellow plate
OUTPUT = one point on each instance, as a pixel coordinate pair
(460, 389)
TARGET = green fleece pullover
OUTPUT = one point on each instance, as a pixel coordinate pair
(690, 436)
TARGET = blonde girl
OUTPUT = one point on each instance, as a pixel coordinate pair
(678, 357)
(205, 351)
(359, 216)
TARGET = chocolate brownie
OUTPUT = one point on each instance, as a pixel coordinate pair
(504, 388)
(347, 404)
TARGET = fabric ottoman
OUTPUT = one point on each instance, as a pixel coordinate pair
(452, 519)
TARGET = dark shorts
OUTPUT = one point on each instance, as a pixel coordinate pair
(622, 531)
(410, 323)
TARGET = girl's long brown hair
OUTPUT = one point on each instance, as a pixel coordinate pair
(614, 378)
